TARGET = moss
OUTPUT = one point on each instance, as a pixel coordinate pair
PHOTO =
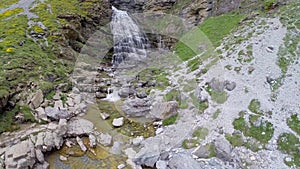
(171, 120)
(216, 28)
(283, 63)
(9, 13)
(216, 114)
(268, 4)
(183, 51)
(290, 144)
(235, 139)
(194, 64)
(27, 112)
(254, 106)
(172, 95)
(190, 143)
(294, 123)
(200, 133)
(201, 106)
(5, 4)
(219, 97)
(63, 98)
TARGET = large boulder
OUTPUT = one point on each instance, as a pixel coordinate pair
(125, 92)
(183, 161)
(136, 107)
(37, 99)
(223, 149)
(56, 113)
(164, 110)
(79, 126)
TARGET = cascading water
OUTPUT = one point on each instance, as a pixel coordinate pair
(130, 42)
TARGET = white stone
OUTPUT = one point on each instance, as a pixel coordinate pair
(118, 122)
(137, 141)
(121, 166)
(104, 116)
(63, 158)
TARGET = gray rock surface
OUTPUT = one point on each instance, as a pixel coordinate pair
(37, 99)
(136, 107)
(79, 126)
(56, 113)
(223, 149)
(164, 110)
(104, 139)
(81, 144)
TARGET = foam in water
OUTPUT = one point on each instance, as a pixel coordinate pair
(129, 41)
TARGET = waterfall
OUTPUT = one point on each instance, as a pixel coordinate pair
(130, 42)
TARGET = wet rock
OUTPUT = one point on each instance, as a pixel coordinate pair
(79, 126)
(121, 166)
(125, 92)
(46, 141)
(230, 85)
(56, 113)
(223, 149)
(81, 144)
(100, 95)
(92, 140)
(116, 148)
(150, 152)
(136, 107)
(164, 110)
(118, 122)
(44, 165)
(217, 85)
(104, 116)
(104, 139)
(37, 99)
(63, 158)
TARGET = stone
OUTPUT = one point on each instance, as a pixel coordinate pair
(201, 94)
(125, 92)
(161, 164)
(100, 95)
(183, 161)
(44, 165)
(81, 144)
(223, 149)
(104, 139)
(79, 126)
(270, 49)
(56, 96)
(41, 113)
(159, 130)
(164, 110)
(217, 85)
(118, 122)
(92, 140)
(70, 102)
(56, 113)
(149, 153)
(137, 141)
(121, 166)
(136, 107)
(230, 85)
(39, 155)
(37, 99)
(77, 99)
(104, 116)
(202, 151)
(116, 148)
(141, 95)
(58, 104)
(63, 158)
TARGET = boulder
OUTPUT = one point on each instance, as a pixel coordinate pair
(223, 149)
(230, 85)
(104, 116)
(141, 95)
(41, 113)
(203, 151)
(39, 155)
(164, 110)
(125, 92)
(79, 126)
(161, 164)
(217, 85)
(137, 141)
(183, 161)
(37, 99)
(104, 139)
(136, 107)
(56, 113)
(118, 122)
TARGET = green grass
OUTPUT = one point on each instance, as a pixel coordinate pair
(290, 144)
(200, 133)
(294, 123)
(194, 64)
(169, 121)
(235, 139)
(190, 143)
(201, 106)
(172, 95)
(262, 133)
(219, 97)
(183, 51)
(254, 106)
(216, 28)
(216, 114)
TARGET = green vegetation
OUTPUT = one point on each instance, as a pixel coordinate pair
(194, 64)
(200, 133)
(190, 143)
(262, 133)
(219, 97)
(254, 106)
(154, 74)
(201, 106)
(170, 120)
(235, 139)
(173, 95)
(10, 13)
(63, 98)
(216, 114)
(216, 28)
(7, 122)
(268, 4)
(294, 123)
(290, 144)
(184, 52)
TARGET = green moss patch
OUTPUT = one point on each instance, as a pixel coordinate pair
(294, 123)
(235, 139)
(169, 121)
(254, 106)
(200, 133)
(290, 144)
